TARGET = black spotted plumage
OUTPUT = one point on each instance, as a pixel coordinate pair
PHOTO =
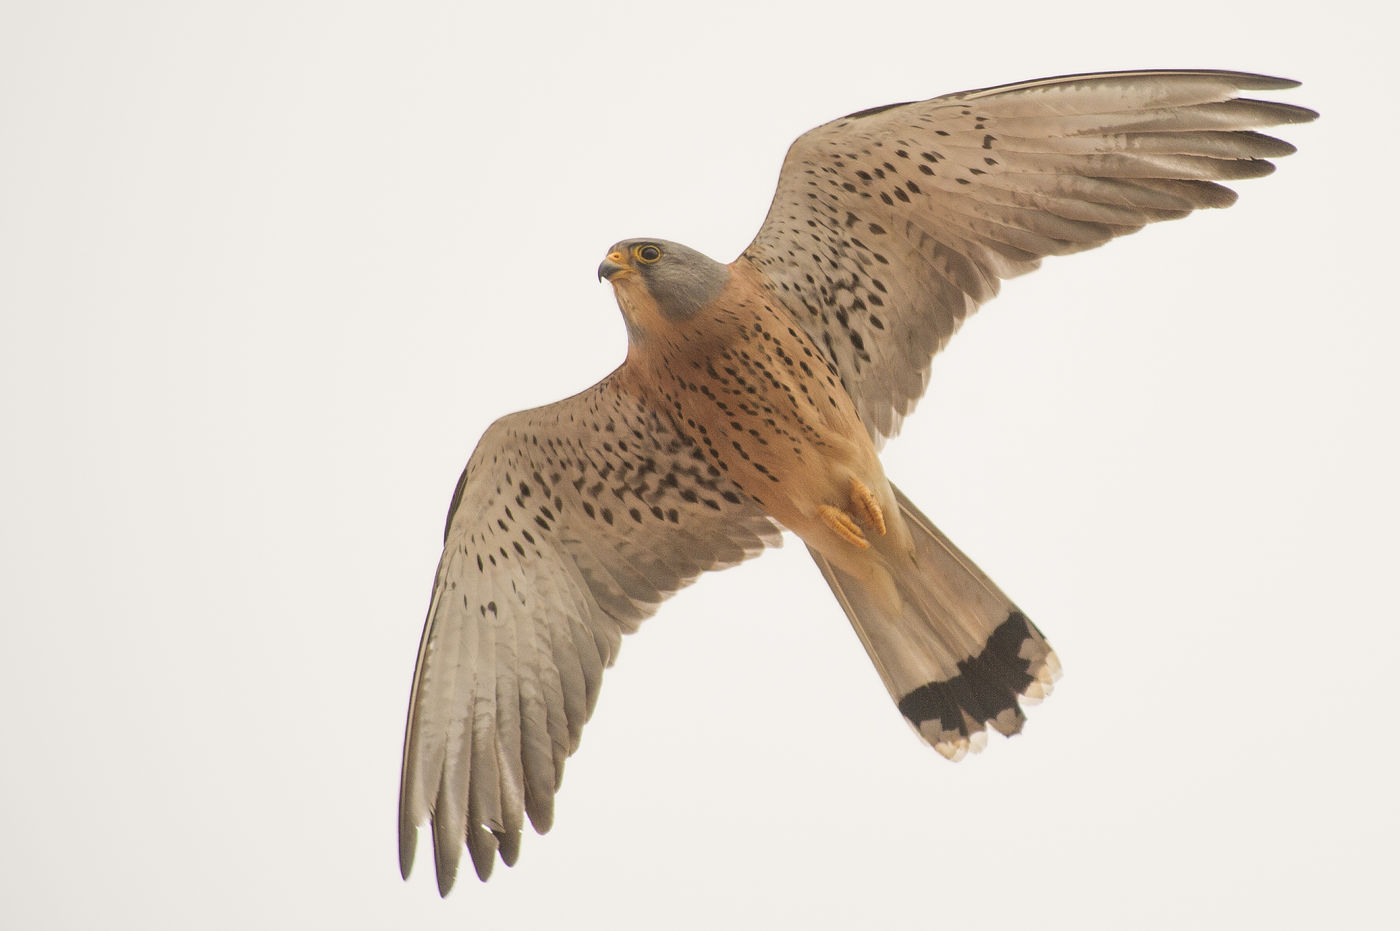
(1033, 169)
(754, 395)
(556, 570)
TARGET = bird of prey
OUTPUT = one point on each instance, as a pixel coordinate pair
(754, 398)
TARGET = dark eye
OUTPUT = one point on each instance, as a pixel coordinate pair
(648, 254)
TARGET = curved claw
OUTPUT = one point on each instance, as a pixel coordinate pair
(868, 510)
(845, 528)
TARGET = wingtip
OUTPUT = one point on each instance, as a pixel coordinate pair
(445, 882)
(540, 809)
(1280, 113)
(482, 845)
(446, 856)
(408, 845)
(510, 847)
(1248, 80)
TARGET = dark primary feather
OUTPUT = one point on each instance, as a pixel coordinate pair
(571, 524)
(890, 226)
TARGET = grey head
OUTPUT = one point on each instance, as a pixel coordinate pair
(679, 279)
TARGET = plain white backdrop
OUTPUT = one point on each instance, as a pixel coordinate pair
(268, 269)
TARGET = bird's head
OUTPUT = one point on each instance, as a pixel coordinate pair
(659, 282)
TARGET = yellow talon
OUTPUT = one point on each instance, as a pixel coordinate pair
(868, 509)
(839, 521)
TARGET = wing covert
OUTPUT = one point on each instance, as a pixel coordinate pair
(570, 525)
(890, 226)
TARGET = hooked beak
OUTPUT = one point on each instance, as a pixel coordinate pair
(612, 266)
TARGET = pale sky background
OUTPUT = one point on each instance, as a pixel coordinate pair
(268, 269)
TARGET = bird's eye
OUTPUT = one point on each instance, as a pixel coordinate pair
(648, 254)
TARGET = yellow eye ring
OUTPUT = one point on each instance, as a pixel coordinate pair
(647, 254)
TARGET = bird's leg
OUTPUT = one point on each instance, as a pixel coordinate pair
(866, 507)
(841, 522)
(863, 508)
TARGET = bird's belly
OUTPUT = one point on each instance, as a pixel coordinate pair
(789, 467)
(769, 412)
(791, 453)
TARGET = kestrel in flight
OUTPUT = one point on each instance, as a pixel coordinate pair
(753, 399)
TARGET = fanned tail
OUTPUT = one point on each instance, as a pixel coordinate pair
(959, 655)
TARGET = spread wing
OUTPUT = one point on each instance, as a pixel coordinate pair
(571, 523)
(890, 226)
